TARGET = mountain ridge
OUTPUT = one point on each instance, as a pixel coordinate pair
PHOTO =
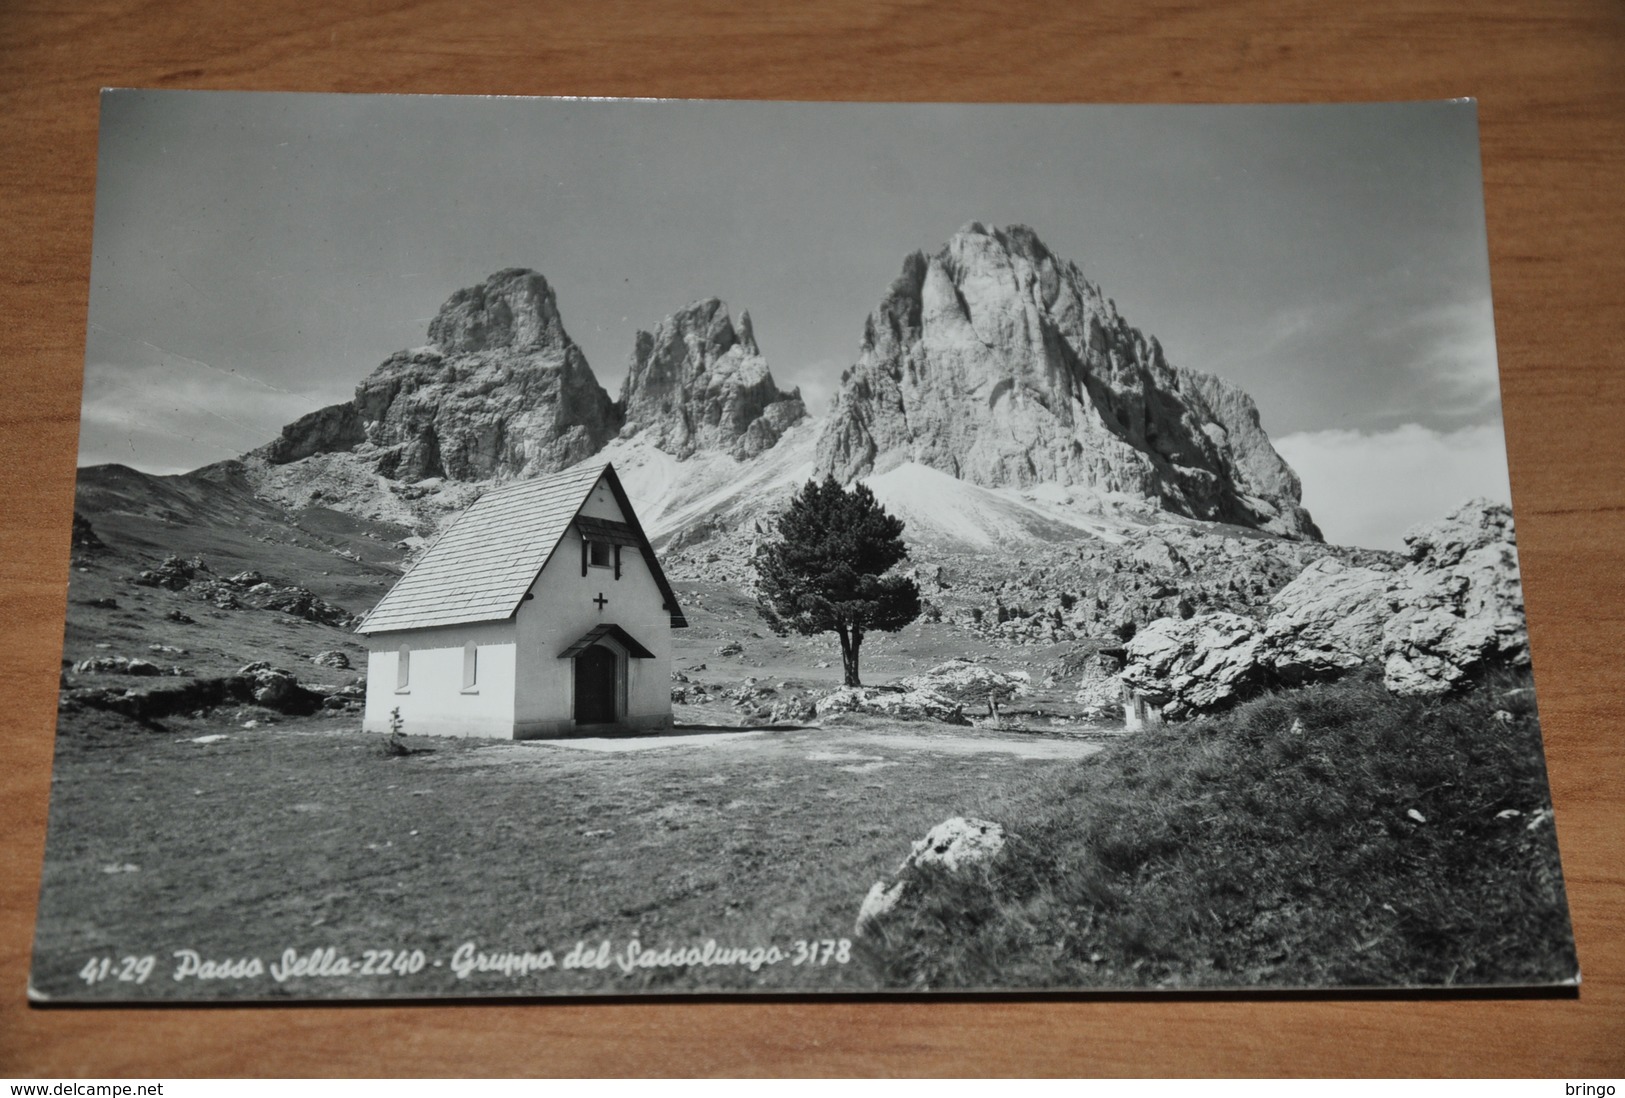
(992, 377)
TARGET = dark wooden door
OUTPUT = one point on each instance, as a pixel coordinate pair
(595, 686)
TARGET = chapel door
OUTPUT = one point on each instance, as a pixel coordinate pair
(595, 686)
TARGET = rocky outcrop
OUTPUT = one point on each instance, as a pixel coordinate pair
(1458, 603)
(120, 665)
(1093, 590)
(324, 431)
(902, 705)
(1198, 665)
(174, 573)
(248, 589)
(969, 683)
(256, 684)
(85, 540)
(501, 391)
(1454, 609)
(697, 382)
(1001, 364)
(794, 710)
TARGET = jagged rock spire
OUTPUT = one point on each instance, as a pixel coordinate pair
(698, 382)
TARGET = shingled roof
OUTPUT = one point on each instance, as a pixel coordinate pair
(485, 561)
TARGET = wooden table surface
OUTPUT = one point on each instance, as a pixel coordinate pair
(1550, 78)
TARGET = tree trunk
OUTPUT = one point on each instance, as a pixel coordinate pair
(851, 641)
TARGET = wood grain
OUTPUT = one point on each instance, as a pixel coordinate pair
(1551, 84)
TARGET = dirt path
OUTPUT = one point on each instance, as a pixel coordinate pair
(939, 740)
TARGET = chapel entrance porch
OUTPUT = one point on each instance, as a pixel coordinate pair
(600, 678)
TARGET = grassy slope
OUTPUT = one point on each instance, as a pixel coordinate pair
(306, 835)
(1238, 851)
(141, 519)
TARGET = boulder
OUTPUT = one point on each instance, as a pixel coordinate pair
(277, 688)
(332, 658)
(1198, 665)
(300, 603)
(957, 842)
(964, 681)
(903, 705)
(173, 574)
(1328, 620)
(792, 711)
(1158, 554)
(218, 594)
(749, 694)
(952, 846)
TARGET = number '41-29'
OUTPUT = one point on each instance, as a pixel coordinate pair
(127, 970)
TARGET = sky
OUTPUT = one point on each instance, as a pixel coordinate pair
(256, 255)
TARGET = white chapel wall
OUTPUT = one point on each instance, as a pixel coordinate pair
(434, 701)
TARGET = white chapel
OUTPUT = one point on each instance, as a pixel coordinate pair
(540, 612)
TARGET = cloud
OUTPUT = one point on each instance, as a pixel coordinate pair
(1368, 488)
(175, 415)
(1451, 348)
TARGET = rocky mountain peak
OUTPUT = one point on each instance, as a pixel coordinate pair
(698, 382)
(501, 391)
(513, 309)
(995, 361)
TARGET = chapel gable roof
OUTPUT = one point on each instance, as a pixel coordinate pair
(484, 563)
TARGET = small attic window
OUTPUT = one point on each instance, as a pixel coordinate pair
(599, 554)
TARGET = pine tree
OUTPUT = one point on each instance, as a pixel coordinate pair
(825, 572)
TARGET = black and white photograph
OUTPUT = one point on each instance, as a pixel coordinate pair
(576, 547)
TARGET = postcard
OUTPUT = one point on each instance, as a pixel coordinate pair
(548, 547)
